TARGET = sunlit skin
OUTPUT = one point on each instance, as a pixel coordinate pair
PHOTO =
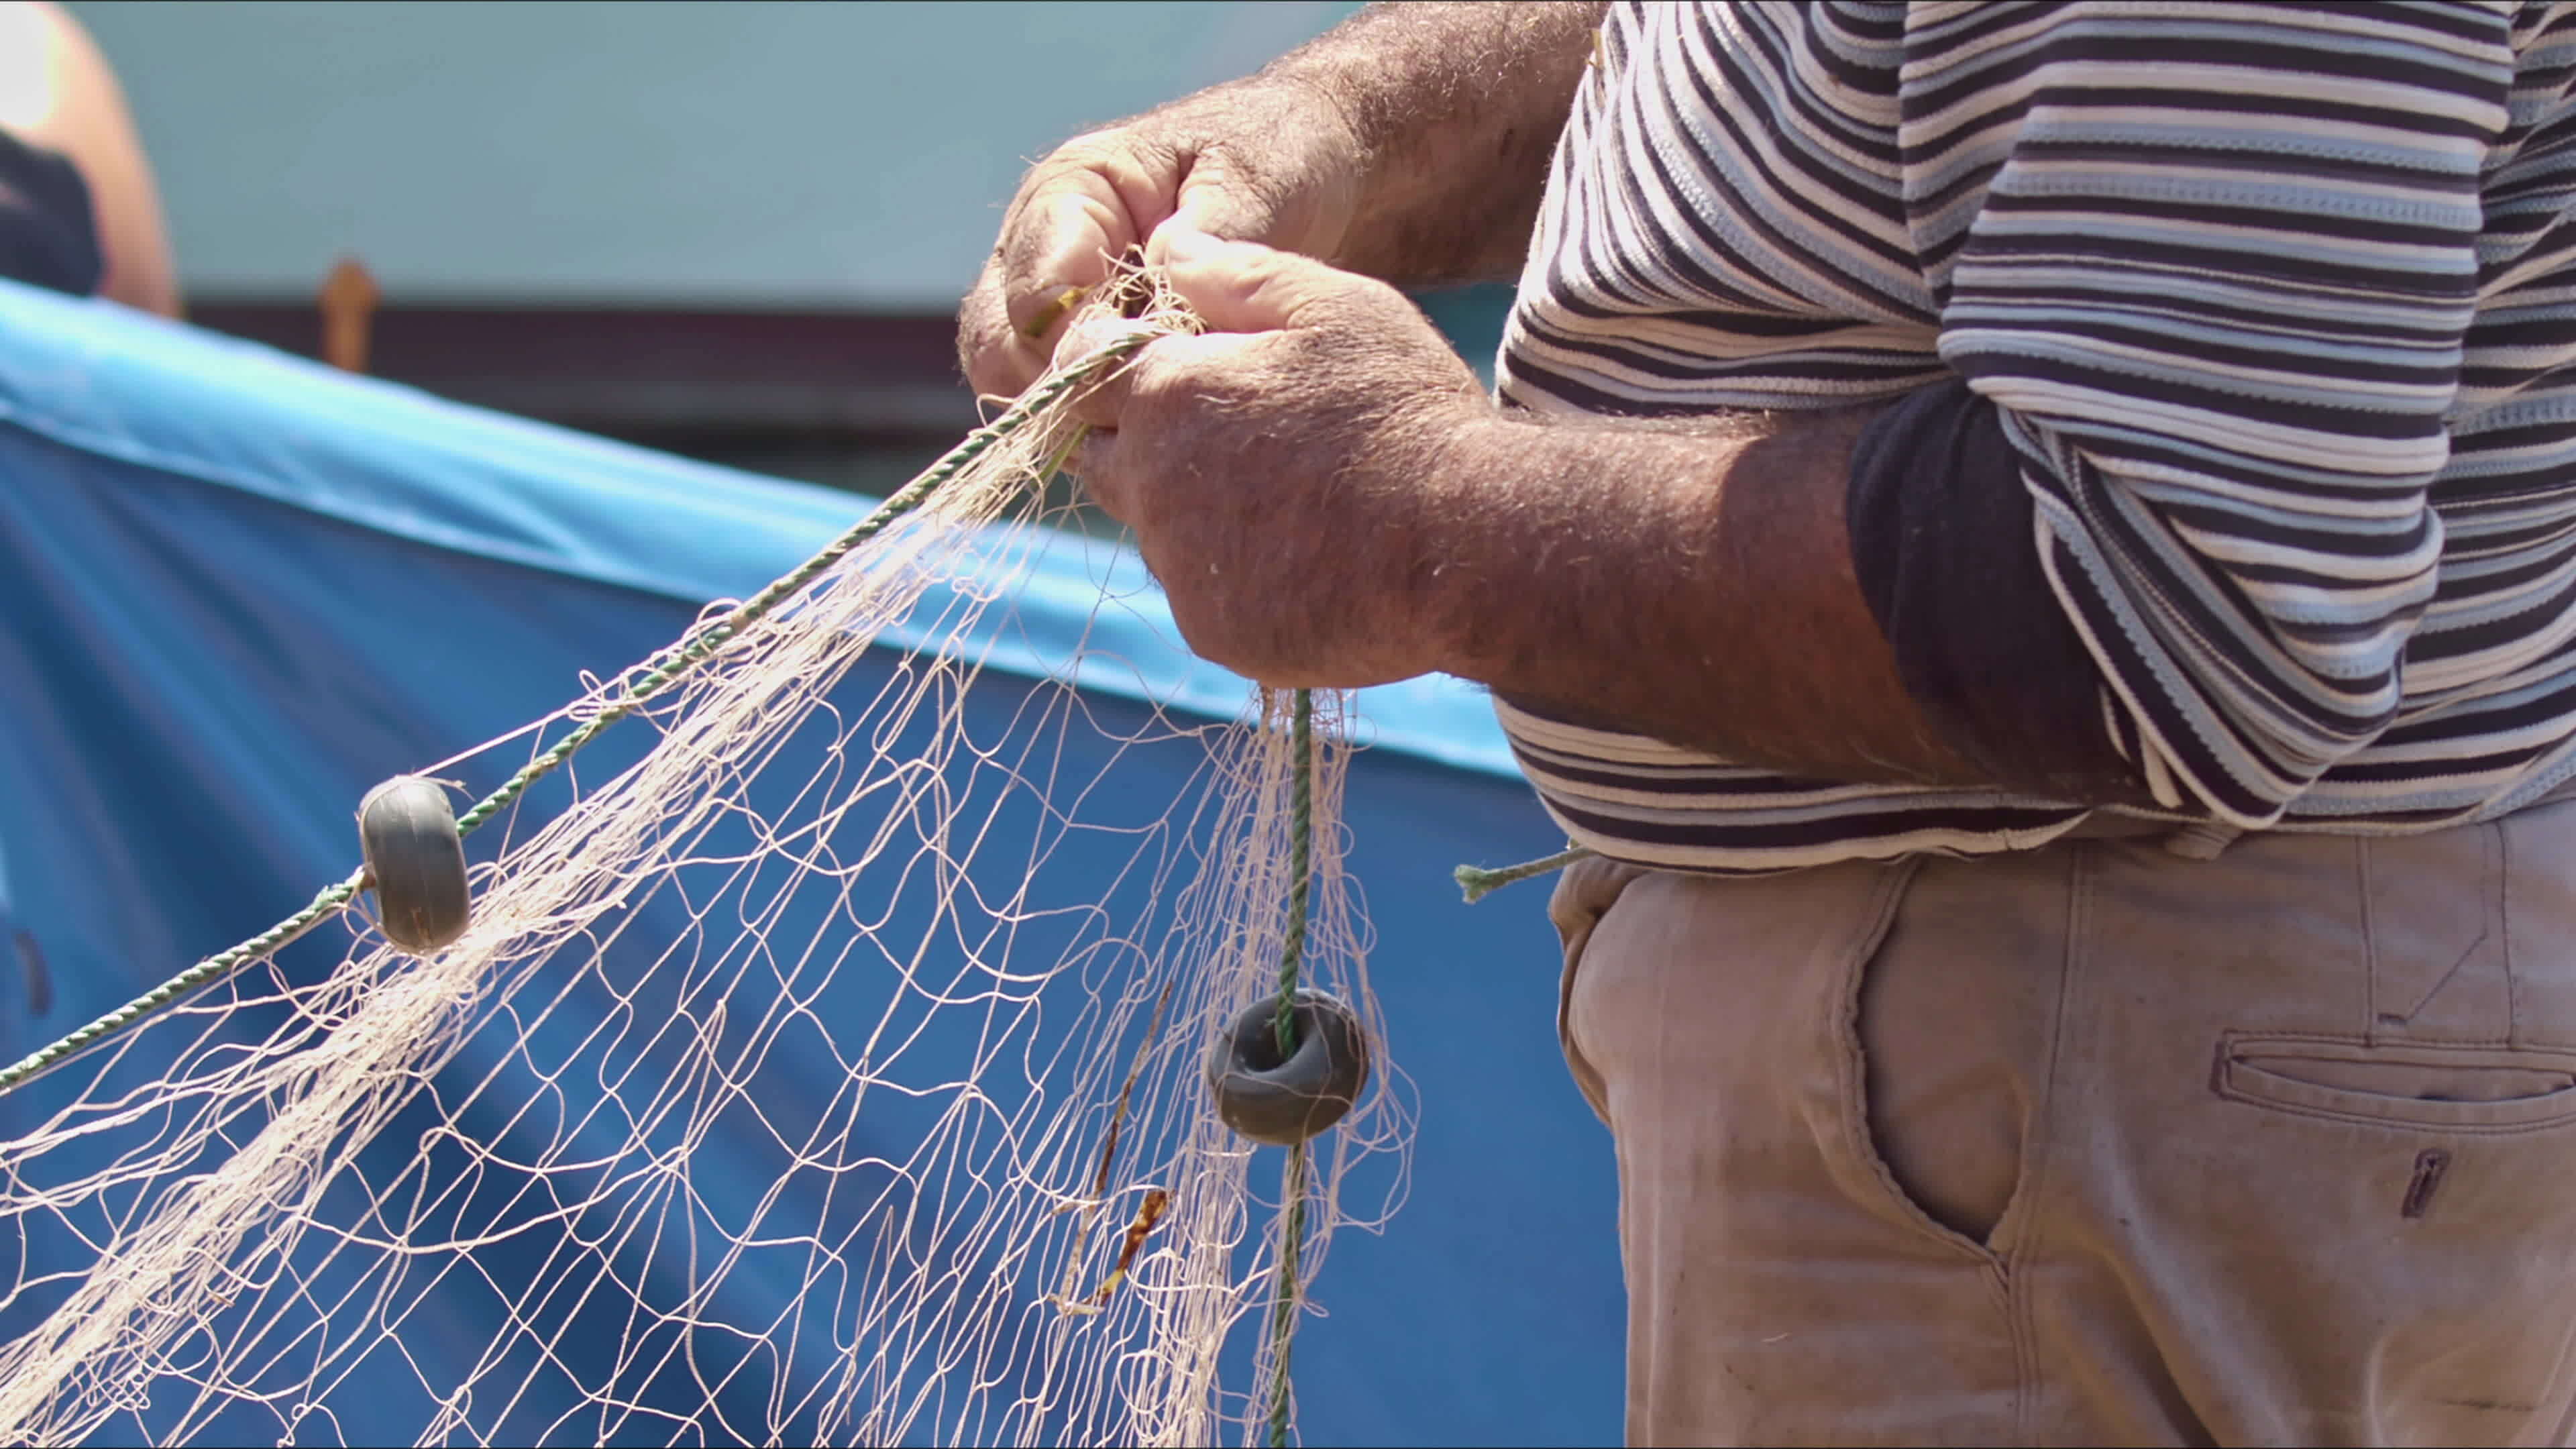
(56, 91)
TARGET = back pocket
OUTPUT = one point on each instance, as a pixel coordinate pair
(2447, 1088)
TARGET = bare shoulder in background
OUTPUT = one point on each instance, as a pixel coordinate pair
(78, 208)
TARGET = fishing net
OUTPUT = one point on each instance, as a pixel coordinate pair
(998, 1207)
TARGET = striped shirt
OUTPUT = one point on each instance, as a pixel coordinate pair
(2276, 307)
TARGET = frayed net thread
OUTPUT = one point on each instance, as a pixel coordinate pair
(816, 873)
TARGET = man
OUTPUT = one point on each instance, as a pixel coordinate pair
(2038, 544)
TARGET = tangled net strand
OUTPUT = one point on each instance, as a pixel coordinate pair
(998, 968)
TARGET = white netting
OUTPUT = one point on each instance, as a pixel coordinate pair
(774, 1095)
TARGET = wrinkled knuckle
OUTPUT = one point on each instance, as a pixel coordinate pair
(1116, 155)
(1084, 154)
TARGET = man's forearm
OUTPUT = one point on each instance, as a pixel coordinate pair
(1456, 109)
(1330, 501)
(1691, 585)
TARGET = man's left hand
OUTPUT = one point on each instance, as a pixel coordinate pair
(1287, 474)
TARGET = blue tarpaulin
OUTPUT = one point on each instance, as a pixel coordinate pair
(237, 589)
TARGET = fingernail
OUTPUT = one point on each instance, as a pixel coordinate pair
(1047, 316)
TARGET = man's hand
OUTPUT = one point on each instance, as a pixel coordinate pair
(1272, 163)
(1287, 473)
(1410, 142)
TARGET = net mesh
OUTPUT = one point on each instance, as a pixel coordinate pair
(828, 1067)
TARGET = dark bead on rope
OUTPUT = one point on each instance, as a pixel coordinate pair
(1285, 1098)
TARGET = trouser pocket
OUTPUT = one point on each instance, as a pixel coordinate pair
(1953, 1013)
(1585, 892)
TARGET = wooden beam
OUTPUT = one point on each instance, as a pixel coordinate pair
(349, 298)
(620, 369)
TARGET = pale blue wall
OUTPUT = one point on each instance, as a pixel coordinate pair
(763, 153)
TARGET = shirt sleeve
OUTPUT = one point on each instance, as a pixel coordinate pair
(2216, 294)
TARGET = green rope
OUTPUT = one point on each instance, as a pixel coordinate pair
(1301, 855)
(1475, 883)
(205, 973)
(1283, 1312)
(1292, 959)
(639, 685)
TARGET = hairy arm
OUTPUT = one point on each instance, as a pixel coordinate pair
(1409, 143)
(1330, 501)
(1694, 585)
(2218, 544)
(1452, 111)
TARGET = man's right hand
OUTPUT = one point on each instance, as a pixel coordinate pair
(1267, 159)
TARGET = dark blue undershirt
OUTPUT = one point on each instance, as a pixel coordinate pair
(1940, 527)
(48, 229)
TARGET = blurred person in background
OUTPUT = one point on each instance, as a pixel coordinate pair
(2037, 545)
(78, 210)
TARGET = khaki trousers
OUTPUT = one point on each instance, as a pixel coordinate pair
(2094, 1143)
